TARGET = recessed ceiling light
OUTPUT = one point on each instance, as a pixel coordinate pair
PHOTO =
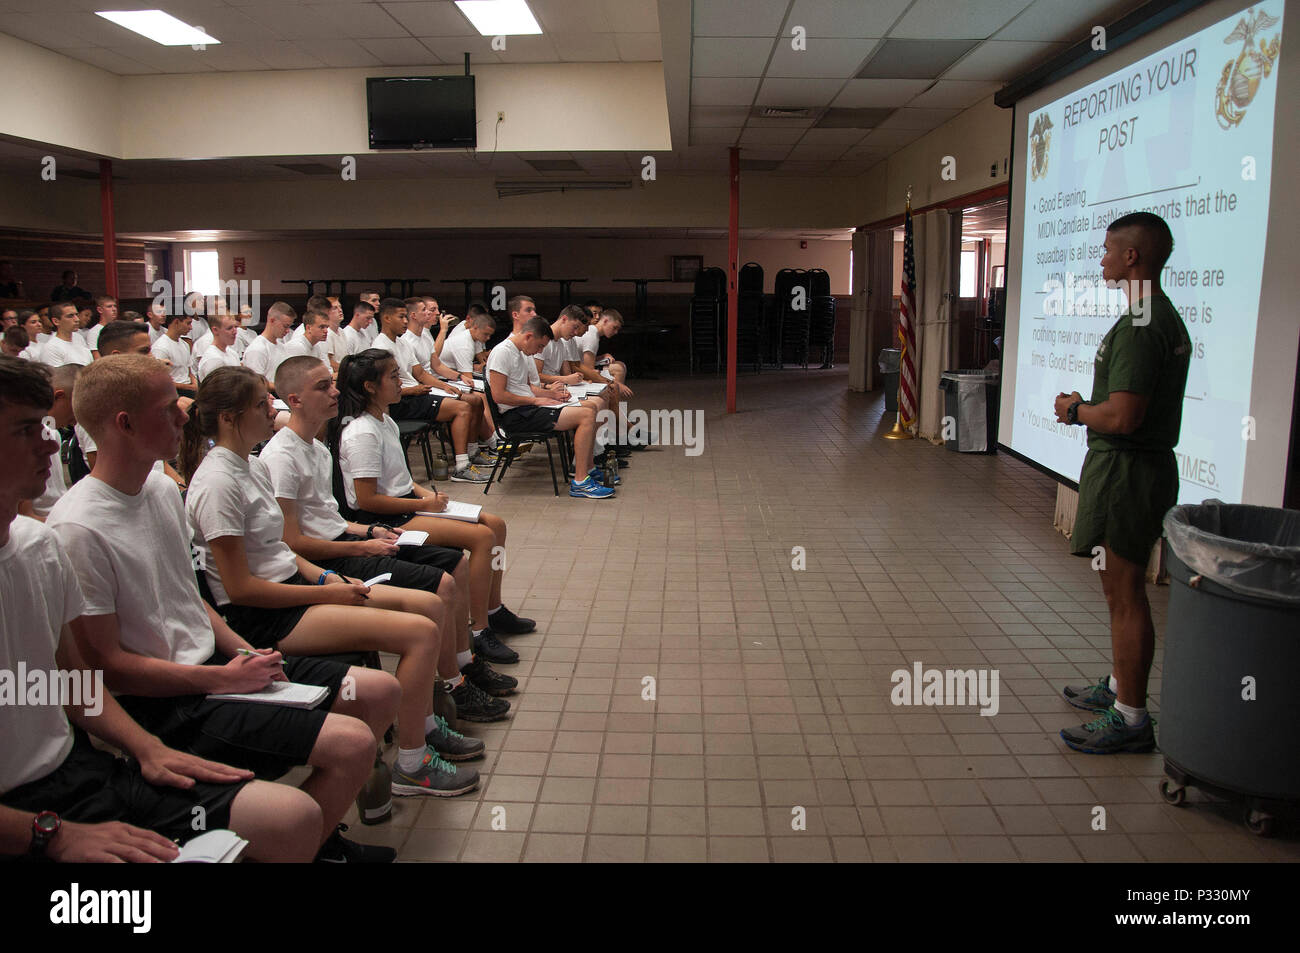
(500, 17)
(158, 26)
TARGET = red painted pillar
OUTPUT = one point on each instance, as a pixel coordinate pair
(733, 275)
(110, 234)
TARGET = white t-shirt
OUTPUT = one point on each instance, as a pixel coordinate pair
(553, 356)
(198, 349)
(372, 448)
(336, 345)
(39, 592)
(199, 328)
(264, 357)
(57, 352)
(573, 349)
(132, 557)
(401, 350)
(230, 496)
(371, 331)
(590, 342)
(90, 336)
(519, 368)
(55, 487)
(355, 341)
(178, 352)
(299, 347)
(458, 352)
(303, 472)
(420, 347)
(155, 333)
(244, 337)
(213, 358)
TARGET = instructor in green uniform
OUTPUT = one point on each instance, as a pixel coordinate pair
(1130, 476)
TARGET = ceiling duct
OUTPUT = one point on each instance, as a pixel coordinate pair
(509, 189)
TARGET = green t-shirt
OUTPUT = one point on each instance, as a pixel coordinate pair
(1149, 359)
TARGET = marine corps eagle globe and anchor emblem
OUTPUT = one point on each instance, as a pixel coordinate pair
(1242, 76)
(1040, 141)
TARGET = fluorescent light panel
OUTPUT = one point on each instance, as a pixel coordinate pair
(158, 26)
(500, 17)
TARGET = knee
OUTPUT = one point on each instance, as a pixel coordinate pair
(447, 588)
(344, 743)
(382, 695)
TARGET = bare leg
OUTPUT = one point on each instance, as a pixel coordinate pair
(374, 698)
(281, 823)
(450, 596)
(341, 761)
(456, 412)
(1132, 633)
(498, 527)
(581, 420)
(478, 540)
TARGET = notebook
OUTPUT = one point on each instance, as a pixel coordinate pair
(465, 512)
(213, 847)
(288, 694)
(478, 385)
(412, 537)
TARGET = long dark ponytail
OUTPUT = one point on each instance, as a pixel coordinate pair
(355, 371)
(227, 390)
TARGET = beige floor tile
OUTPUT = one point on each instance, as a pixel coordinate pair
(554, 848)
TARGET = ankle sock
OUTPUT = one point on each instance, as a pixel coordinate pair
(430, 723)
(464, 658)
(456, 682)
(462, 461)
(492, 612)
(1132, 716)
(1112, 684)
(410, 759)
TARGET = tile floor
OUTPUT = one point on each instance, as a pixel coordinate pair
(772, 686)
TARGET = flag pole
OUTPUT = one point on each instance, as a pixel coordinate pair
(900, 432)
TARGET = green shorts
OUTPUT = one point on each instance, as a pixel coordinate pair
(1123, 498)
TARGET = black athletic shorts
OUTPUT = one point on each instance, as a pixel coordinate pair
(416, 407)
(92, 786)
(266, 739)
(530, 419)
(390, 519)
(410, 571)
(261, 627)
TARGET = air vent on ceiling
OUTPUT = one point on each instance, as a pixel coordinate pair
(308, 168)
(759, 165)
(554, 165)
(852, 118)
(536, 186)
(782, 112)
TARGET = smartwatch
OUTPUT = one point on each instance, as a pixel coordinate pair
(1072, 413)
(44, 826)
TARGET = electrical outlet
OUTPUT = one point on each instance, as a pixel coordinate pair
(501, 116)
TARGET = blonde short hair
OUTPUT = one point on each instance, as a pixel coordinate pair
(111, 385)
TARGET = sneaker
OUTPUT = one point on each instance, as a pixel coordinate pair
(492, 649)
(474, 704)
(1097, 697)
(1108, 734)
(469, 474)
(484, 458)
(589, 489)
(435, 777)
(604, 478)
(489, 679)
(452, 745)
(520, 449)
(505, 622)
(339, 850)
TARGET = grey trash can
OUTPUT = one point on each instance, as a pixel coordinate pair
(971, 400)
(1229, 707)
(888, 363)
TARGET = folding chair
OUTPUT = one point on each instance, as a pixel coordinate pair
(417, 431)
(508, 448)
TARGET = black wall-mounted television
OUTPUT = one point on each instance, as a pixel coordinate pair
(419, 112)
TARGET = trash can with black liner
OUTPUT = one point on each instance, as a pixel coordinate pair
(1229, 708)
(888, 362)
(971, 401)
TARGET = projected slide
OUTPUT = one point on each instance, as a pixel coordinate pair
(1186, 133)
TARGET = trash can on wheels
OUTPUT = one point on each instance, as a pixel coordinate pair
(1228, 708)
(888, 362)
(971, 407)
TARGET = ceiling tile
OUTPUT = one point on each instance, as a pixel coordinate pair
(225, 23)
(815, 150)
(891, 139)
(723, 92)
(452, 49)
(765, 152)
(845, 18)
(816, 136)
(719, 115)
(1062, 20)
(943, 19)
(864, 93)
(586, 47)
(232, 59)
(914, 59)
(715, 136)
(639, 47)
(394, 52)
(348, 54)
(112, 60)
(431, 19)
(729, 56)
(358, 20)
(907, 118)
(798, 92)
(42, 31)
(572, 16)
(806, 166)
(281, 54)
(528, 49)
(633, 16)
(1001, 60)
(292, 22)
(823, 57)
(766, 136)
(960, 93)
(721, 18)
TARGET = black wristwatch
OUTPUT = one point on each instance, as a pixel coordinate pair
(1072, 413)
(44, 826)
(375, 526)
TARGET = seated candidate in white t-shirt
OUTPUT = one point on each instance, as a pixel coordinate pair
(466, 341)
(174, 348)
(89, 805)
(62, 380)
(275, 598)
(377, 486)
(311, 341)
(221, 350)
(65, 346)
(355, 335)
(302, 474)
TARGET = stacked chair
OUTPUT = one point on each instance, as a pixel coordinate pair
(794, 321)
(821, 329)
(750, 318)
(708, 304)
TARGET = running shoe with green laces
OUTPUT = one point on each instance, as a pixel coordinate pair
(1097, 697)
(435, 777)
(1108, 734)
(452, 745)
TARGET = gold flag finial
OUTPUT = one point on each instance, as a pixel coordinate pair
(909, 196)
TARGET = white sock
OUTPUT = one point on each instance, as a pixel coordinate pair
(410, 759)
(492, 612)
(456, 682)
(464, 658)
(1114, 685)
(430, 723)
(471, 449)
(492, 442)
(462, 461)
(1132, 716)
(477, 632)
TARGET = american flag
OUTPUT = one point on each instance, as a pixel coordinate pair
(906, 329)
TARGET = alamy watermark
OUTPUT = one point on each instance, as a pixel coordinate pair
(79, 688)
(946, 687)
(670, 428)
(241, 296)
